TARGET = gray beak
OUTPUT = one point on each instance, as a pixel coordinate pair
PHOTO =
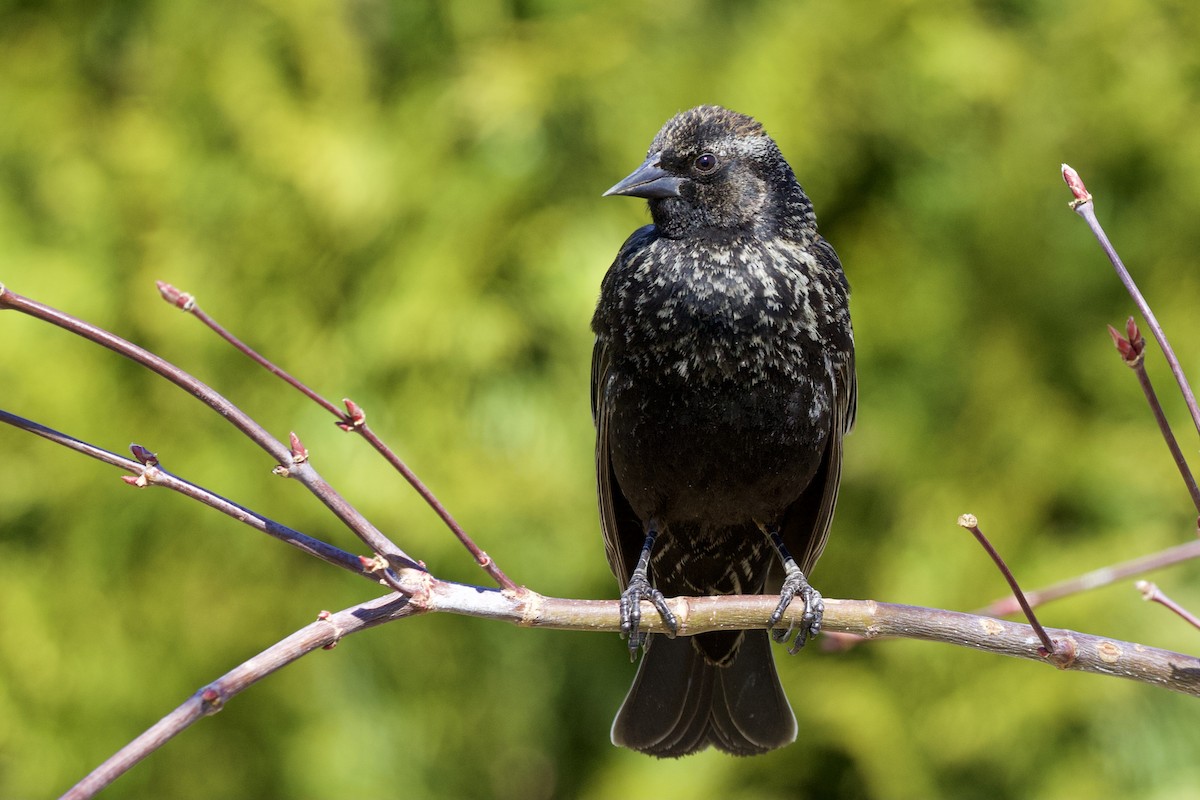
(649, 181)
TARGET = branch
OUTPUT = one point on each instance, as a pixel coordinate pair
(424, 594)
(353, 419)
(290, 465)
(971, 523)
(149, 472)
(1097, 578)
(324, 633)
(1132, 348)
(1083, 206)
(1151, 593)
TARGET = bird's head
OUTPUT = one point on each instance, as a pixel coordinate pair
(712, 172)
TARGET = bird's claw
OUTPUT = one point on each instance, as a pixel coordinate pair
(810, 622)
(639, 589)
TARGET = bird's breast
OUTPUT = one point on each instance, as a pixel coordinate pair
(716, 451)
(706, 312)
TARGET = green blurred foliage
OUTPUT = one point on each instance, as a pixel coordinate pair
(400, 203)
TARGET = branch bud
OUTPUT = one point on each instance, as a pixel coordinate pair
(1132, 346)
(376, 563)
(1076, 185)
(181, 300)
(299, 451)
(143, 456)
(355, 416)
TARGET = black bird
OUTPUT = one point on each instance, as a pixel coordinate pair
(722, 386)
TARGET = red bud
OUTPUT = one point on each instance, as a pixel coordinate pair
(1076, 185)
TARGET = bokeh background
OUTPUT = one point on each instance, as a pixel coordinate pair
(400, 202)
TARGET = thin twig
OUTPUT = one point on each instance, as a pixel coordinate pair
(324, 633)
(1095, 579)
(152, 474)
(969, 522)
(303, 472)
(1084, 207)
(481, 558)
(1152, 593)
(187, 302)
(352, 419)
(1132, 348)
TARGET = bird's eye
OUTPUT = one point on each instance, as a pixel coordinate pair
(705, 163)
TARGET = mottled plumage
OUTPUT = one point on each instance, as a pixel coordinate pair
(722, 385)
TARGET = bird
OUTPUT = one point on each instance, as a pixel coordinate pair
(723, 384)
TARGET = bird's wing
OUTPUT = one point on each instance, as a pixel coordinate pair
(806, 522)
(621, 527)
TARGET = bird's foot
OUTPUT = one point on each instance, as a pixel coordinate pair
(814, 609)
(639, 589)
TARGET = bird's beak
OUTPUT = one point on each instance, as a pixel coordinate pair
(649, 181)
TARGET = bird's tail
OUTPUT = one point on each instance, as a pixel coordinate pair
(681, 702)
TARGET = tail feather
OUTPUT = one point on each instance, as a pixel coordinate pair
(681, 702)
(750, 711)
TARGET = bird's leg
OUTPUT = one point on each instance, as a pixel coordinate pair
(639, 589)
(794, 583)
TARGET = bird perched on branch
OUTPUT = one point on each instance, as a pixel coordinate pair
(722, 386)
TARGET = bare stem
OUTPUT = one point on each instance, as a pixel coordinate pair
(969, 522)
(1152, 593)
(145, 473)
(187, 303)
(324, 633)
(481, 558)
(1132, 348)
(1104, 576)
(1084, 207)
(302, 472)
(352, 419)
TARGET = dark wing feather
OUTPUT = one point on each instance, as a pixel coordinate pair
(806, 523)
(620, 525)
